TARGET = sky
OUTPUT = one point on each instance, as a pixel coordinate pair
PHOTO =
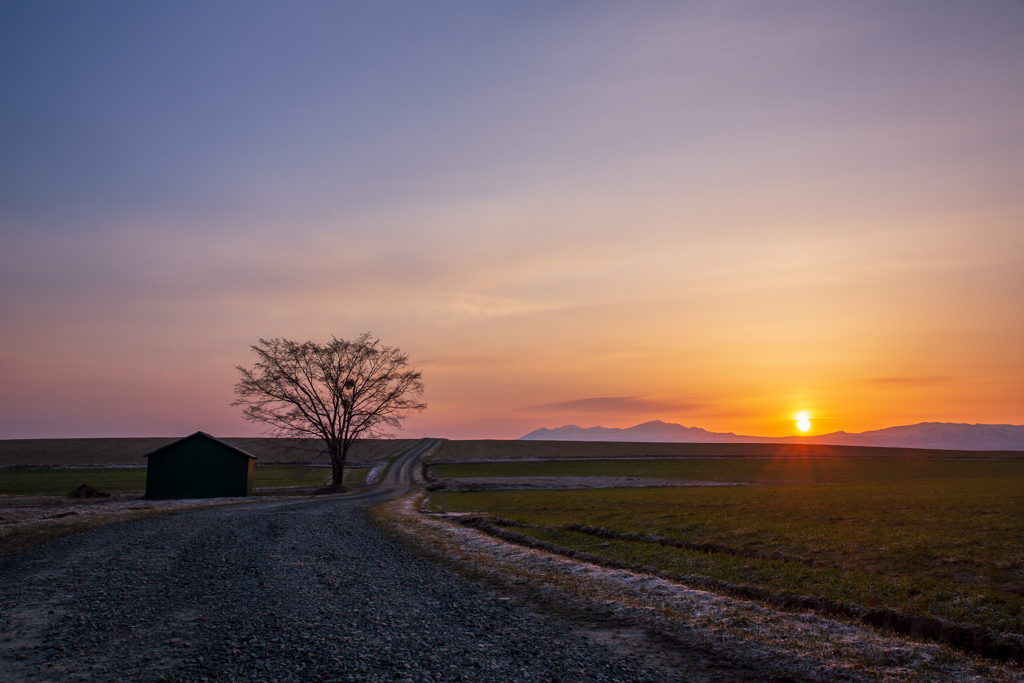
(720, 214)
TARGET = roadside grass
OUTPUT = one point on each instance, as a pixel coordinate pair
(291, 476)
(60, 481)
(751, 470)
(354, 478)
(678, 618)
(946, 541)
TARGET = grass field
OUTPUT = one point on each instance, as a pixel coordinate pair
(129, 451)
(942, 538)
(44, 481)
(493, 449)
(751, 470)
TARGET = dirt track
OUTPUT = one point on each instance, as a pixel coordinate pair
(272, 591)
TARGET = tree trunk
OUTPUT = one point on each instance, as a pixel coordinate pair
(338, 456)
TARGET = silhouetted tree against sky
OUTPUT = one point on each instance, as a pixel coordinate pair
(338, 392)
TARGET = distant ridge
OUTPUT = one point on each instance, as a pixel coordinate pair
(941, 435)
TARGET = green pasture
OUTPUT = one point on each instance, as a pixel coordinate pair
(132, 451)
(59, 481)
(751, 470)
(568, 450)
(932, 537)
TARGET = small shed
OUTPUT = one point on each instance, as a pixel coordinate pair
(198, 466)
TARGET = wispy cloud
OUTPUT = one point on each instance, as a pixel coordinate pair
(712, 213)
(614, 404)
(908, 380)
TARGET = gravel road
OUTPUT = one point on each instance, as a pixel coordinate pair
(273, 591)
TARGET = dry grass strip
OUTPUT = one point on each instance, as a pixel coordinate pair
(804, 646)
(1003, 647)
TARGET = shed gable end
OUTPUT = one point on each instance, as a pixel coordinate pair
(198, 466)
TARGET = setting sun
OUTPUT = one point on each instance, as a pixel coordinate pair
(803, 422)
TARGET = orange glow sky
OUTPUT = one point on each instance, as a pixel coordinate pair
(717, 214)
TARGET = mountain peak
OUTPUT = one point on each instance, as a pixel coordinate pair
(939, 435)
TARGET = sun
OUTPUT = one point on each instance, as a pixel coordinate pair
(803, 422)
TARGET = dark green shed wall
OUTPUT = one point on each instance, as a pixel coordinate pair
(198, 466)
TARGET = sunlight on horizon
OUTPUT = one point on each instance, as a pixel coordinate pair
(803, 422)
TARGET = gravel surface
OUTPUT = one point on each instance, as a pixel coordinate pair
(274, 591)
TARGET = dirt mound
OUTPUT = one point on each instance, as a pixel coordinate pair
(86, 491)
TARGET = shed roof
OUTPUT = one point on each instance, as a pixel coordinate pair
(237, 450)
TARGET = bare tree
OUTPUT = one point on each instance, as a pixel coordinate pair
(338, 392)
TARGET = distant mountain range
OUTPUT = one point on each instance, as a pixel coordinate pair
(943, 435)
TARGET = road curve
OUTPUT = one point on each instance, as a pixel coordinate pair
(273, 591)
(398, 477)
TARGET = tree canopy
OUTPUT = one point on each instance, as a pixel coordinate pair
(337, 392)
